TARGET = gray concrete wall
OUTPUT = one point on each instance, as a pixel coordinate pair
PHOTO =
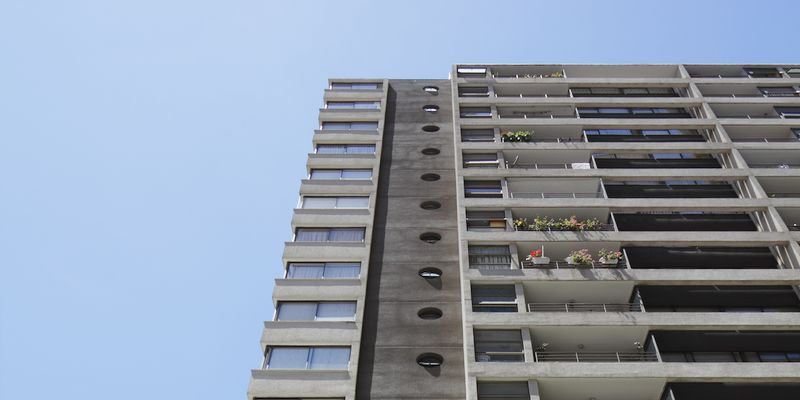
(393, 336)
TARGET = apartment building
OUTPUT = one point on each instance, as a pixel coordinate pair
(548, 232)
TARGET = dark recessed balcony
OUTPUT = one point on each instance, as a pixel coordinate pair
(679, 221)
(731, 391)
(658, 161)
(633, 112)
(728, 346)
(701, 258)
(716, 298)
(670, 190)
(624, 92)
(643, 135)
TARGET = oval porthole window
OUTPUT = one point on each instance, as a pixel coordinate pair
(430, 128)
(430, 205)
(430, 108)
(430, 237)
(434, 90)
(430, 177)
(430, 313)
(430, 273)
(430, 360)
(430, 151)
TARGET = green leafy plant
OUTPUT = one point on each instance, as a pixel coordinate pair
(518, 136)
(521, 224)
(581, 257)
(556, 74)
(609, 255)
(542, 223)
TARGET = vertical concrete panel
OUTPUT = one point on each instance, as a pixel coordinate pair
(393, 335)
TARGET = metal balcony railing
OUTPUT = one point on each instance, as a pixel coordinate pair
(584, 307)
(773, 165)
(554, 195)
(500, 356)
(595, 357)
(767, 140)
(565, 265)
(783, 195)
(568, 165)
(600, 227)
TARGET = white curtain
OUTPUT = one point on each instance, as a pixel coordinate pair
(305, 271)
(288, 358)
(296, 311)
(311, 235)
(344, 311)
(342, 270)
(330, 357)
(346, 235)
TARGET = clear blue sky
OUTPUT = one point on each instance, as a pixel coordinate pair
(151, 152)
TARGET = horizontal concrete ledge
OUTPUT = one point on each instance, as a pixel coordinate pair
(650, 147)
(631, 204)
(636, 238)
(660, 320)
(300, 374)
(340, 182)
(331, 211)
(605, 122)
(774, 372)
(341, 157)
(343, 325)
(315, 283)
(641, 276)
(355, 245)
(622, 173)
(758, 121)
(579, 101)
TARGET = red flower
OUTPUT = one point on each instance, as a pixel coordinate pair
(536, 253)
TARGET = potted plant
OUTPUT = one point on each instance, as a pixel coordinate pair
(537, 257)
(541, 224)
(609, 257)
(556, 74)
(518, 136)
(580, 257)
(521, 224)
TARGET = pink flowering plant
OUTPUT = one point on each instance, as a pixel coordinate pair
(581, 257)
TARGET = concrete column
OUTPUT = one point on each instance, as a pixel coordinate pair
(533, 390)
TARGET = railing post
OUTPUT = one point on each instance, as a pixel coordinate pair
(618, 359)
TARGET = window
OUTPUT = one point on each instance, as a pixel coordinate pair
(498, 345)
(345, 149)
(486, 221)
(471, 72)
(430, 108)
(477, 135)
(474, 91)
(313, 311)
(494, 298)
(619, 112)
(788, 112)
(350, 126)
(355, 86)
(490, 189)
(317, 174)
(308, 358)
(793, 72)
(476, 112)
(329, 235)
(432, 90)
(328, 270)
(487, 160)
(353, 105)
(784, 91)
(762, 72)
(489, 257)
(503, 391)
(633, 92)
(315, 202)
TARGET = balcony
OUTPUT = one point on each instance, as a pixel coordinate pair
(569, 255)
(765, 134)
(731, 71)
(551, 188)
(584, 307)
(780, 187)
(625, 92)
(595, 357)
(643, 135)
(685, 221)
(754, 111)
(548, 159)
(535, 112)
(528, 71)
(656, 161)
(718, 298)
(782, 159)
(746, 90)
(611, 344)
(633, 112)
(731, 391)
(791, 217)
(701, 258)
(542, 134)
(539, 90)
(728, 346)
(686, 189)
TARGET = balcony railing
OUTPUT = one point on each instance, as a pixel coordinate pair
(524, 95)
(783, 195)
(773, 165)
(576, 165)
(500, 356)
(584, 307)
(767, 140)
(565, 265)
(595, 357)
(555, 195)
(525, 115)
(599, 227)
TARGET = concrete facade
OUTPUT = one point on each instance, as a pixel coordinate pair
(417, 336)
